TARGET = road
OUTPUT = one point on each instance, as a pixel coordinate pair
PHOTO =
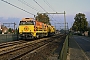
(84, 44)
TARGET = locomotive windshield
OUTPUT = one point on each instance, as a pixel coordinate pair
(26, 23)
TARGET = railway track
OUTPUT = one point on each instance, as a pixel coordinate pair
(19, 50)
(12, 52)
(7, 44)
(43, 52)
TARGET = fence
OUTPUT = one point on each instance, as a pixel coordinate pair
(8, 37)
(63, 54)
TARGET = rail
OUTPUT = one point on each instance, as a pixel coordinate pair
(63, 54)
(8, 37)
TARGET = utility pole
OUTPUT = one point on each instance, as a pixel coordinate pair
(64, 26)
(57, 13)
(65, 21)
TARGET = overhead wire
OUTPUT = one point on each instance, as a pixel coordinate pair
(49, 7)
(48, 4)
(17, 7)
(41, 7)
(27, 4)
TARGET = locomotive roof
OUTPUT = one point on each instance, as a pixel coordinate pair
(28, 19)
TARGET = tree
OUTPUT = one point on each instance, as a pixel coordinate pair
(16, 31)
(10, 29)
(80, 23)
(43, 18)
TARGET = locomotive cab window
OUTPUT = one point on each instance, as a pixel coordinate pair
(26, 23)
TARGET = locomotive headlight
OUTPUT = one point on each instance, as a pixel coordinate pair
(23, 34)
(20, 32)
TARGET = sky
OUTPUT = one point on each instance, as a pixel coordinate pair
(12, 14)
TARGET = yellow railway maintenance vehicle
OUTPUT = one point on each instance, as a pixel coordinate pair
(30, 28)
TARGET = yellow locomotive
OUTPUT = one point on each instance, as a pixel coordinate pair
(30, 28)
